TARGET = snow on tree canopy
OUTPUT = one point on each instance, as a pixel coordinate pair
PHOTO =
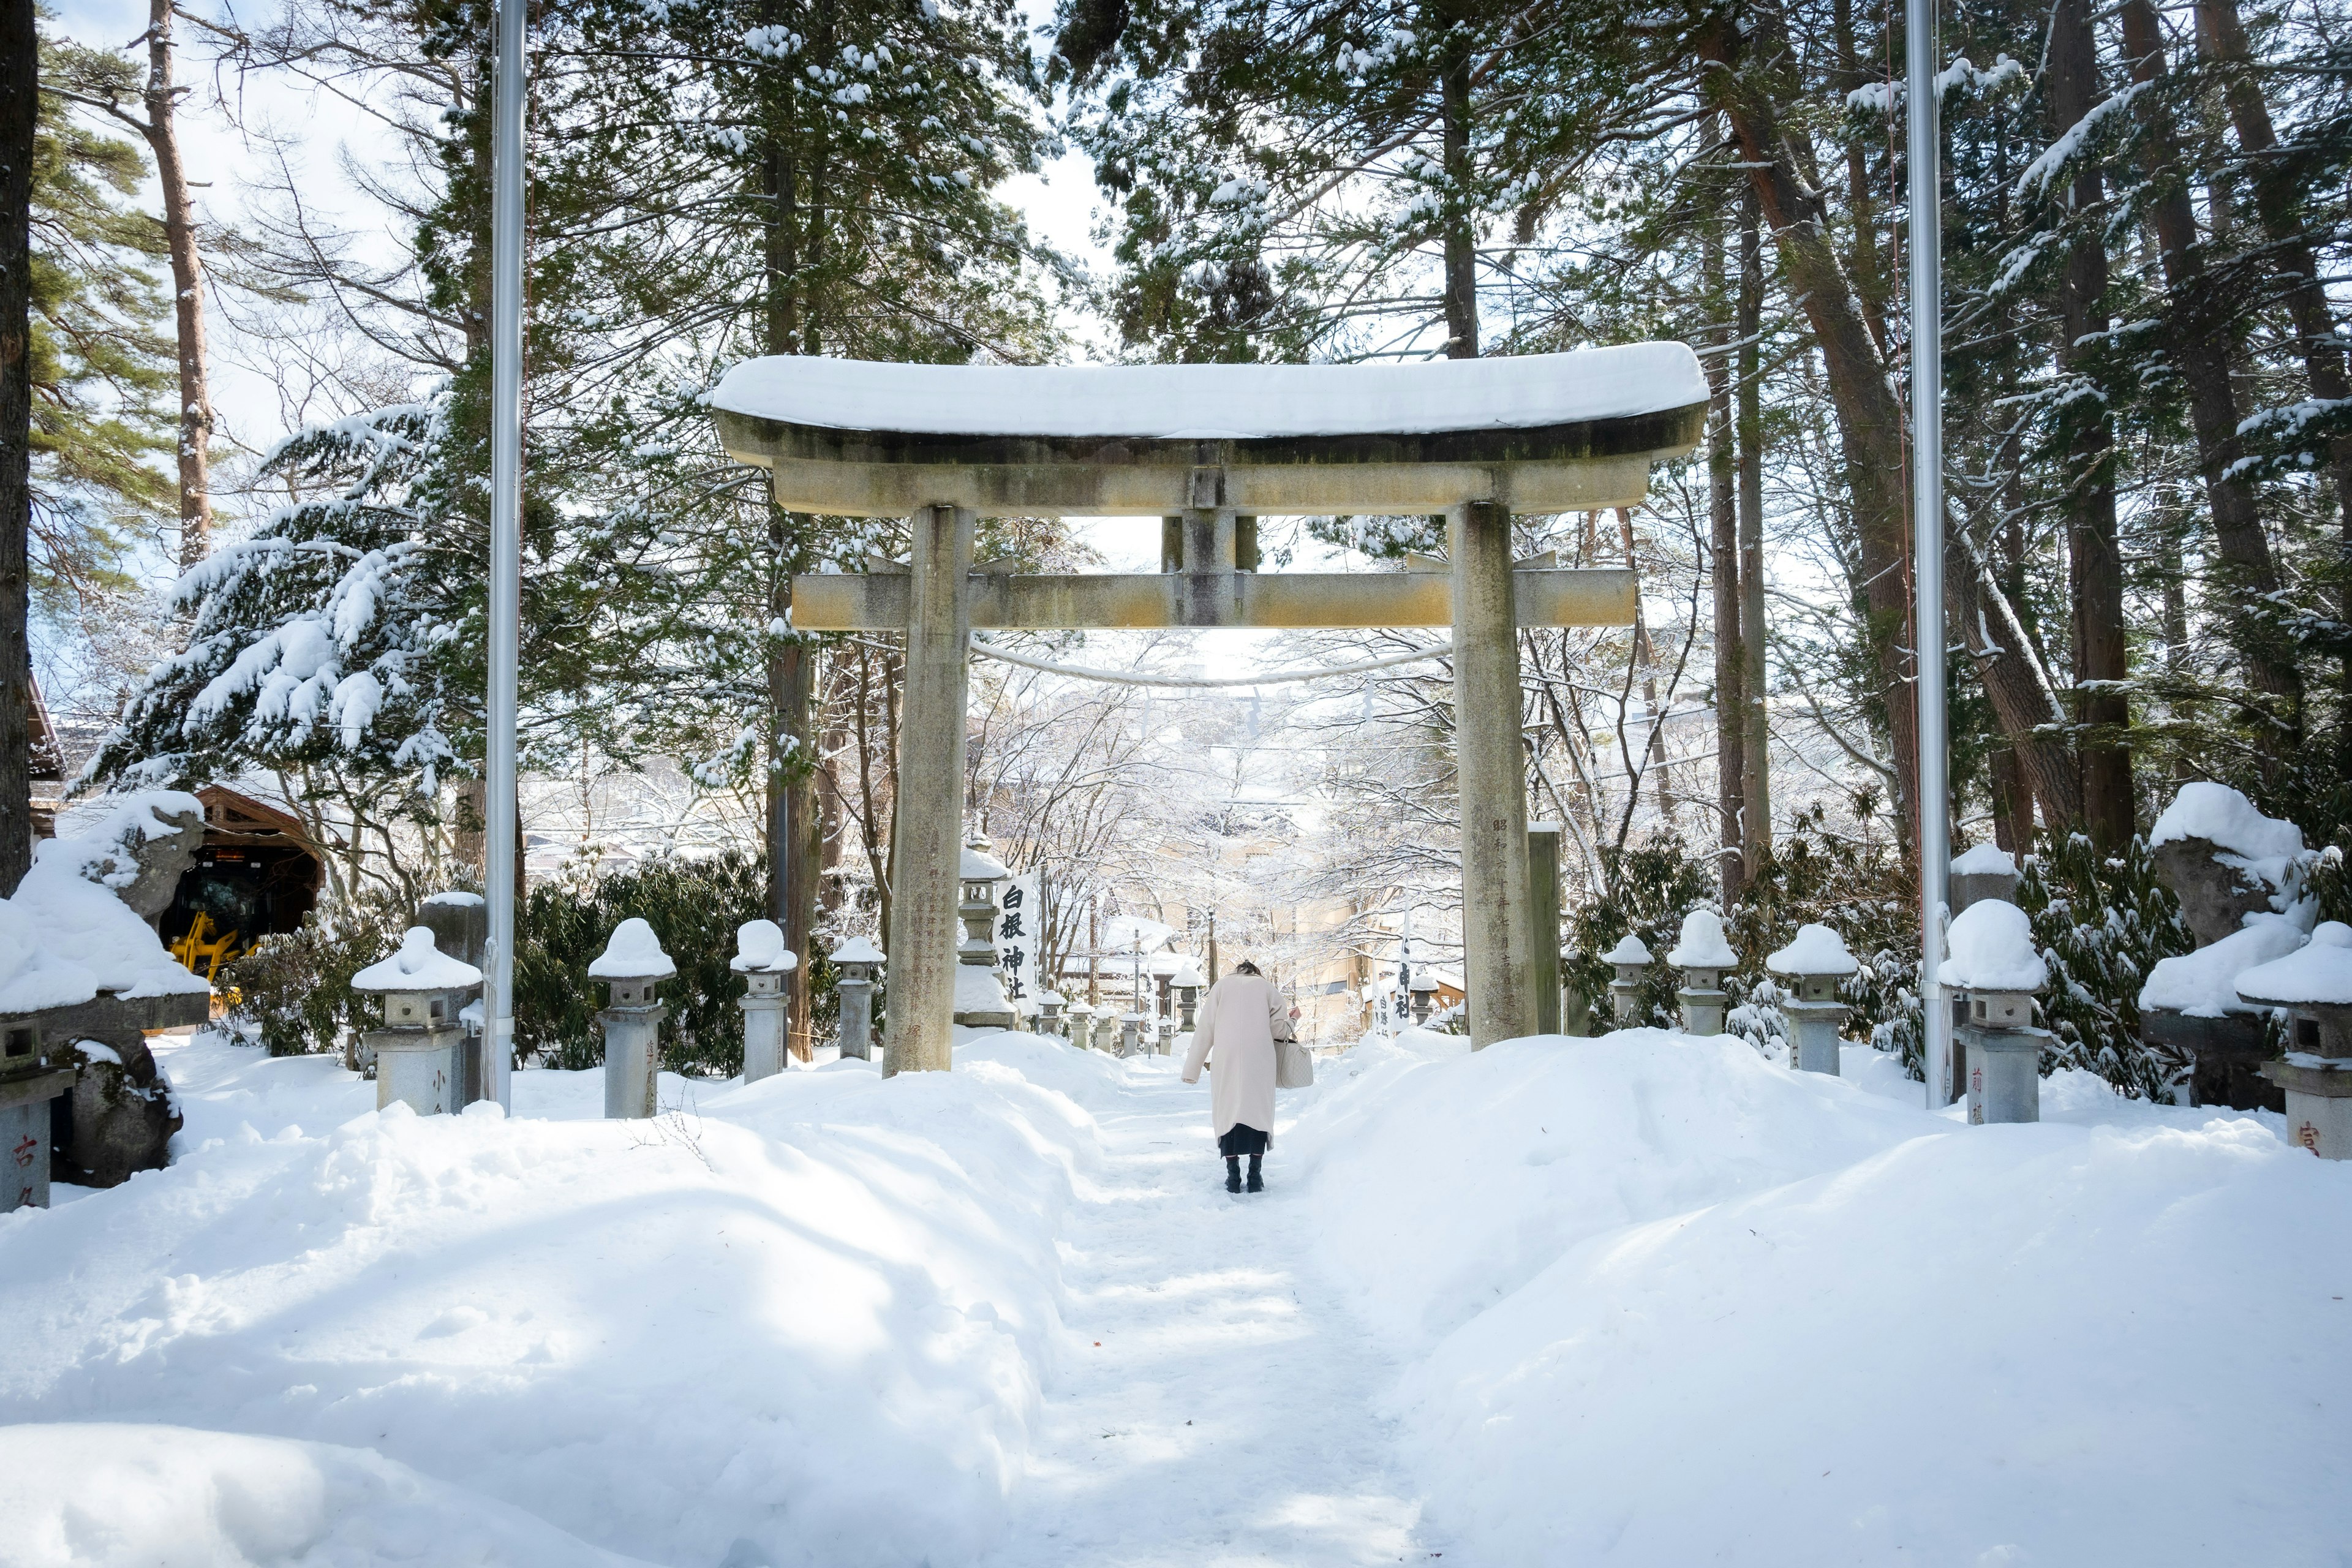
(760, 946)
(979, 866)
(2204, 984)
(1984, 860)
(417, 966)
(2318, 972)
(858, 950)
(1217, 401)
(634, 954)
(1991, 945)
(1702, 945)
(2264, 846)
(1629, 951)
(1814, 950)
(66, 935)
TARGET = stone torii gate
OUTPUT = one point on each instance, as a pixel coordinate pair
(1210, 449)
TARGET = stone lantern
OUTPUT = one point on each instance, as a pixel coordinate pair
(1575, 1007)
(419, 1053)
(980, 1000)
(1703, 954)
(2314, 986)
(633, 963)
(1631, 961)
(29, 1079)
(1814, 962)
(1081, 1026)
(1106, 1028)
(762, 959)
(1049, 1013)
(1996, 971)
(1423, 991)
(854, 962)
(1188, 984)
(1131, 1027)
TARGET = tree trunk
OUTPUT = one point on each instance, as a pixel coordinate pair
(161, 131)
(1461, 253)
(1645, 658)
(1755, 752)
(2017, 686)
(2222, 39)
(2197, 321)
(1869, 414)
(1724, 558)
(19, 112)
(2093, 558)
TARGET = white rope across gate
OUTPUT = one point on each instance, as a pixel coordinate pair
(1128, 677)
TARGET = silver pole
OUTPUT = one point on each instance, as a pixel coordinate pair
(1927, 528)
(506, 550)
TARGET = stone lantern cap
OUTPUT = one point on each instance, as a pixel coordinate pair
(760, 950)
(1628, 953)
(979, 866)
(2318, 973)
(1703, 943)
(1991, 948)
(1814, 950)
(1188, 973)
(417, 966)
(635, 952)
(1081, 1010)
(858, 950)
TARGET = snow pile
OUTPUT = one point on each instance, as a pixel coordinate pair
(2320, 971)
(66, 935)
(1629, 951)
(979, 866)
(760, 946)
(978, 990)
(858, 950)
(1703, 943)
(1814, 950)
(417, 966)
(802, 1322)
(1991, 948)
(103, 1495)
(2204, 984)
(1984, 860)
(2264, 848)
(635, 952)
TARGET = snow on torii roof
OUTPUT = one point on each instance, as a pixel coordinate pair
(1532, 433)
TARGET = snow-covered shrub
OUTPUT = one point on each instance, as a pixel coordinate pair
(2101, 922)
(1652, 886)
(294, 989)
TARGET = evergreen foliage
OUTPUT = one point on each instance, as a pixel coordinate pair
(2101, 922)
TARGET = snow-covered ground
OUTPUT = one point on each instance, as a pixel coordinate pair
(1643, 1300)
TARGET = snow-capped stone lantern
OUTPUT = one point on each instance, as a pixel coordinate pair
(1987, 871)
(980, 1000)
(762, 959)
(1106, 1030)
(1703, 954)
(854, 962)
(1189, 983)
(1814, 961)
(1631, 961)
(419, 1053)
(1080, 1025)
(2314, 984)
(1424, 989)
(1130, 1030)
(1049, 1013)
(633, 963)
(1996, 969)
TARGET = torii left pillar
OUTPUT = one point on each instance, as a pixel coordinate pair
(1497, 921)
(928, 829)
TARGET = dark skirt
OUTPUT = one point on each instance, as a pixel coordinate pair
(1239, 1140)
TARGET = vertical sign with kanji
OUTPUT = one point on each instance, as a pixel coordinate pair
(1018, 919)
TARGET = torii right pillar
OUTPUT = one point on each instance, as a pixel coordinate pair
(1498, 924)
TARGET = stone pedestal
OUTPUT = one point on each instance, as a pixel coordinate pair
(1130, 1025)
(632, 1026)
(763, 1003)
(2225, 1054)
(1704, 1000)
(2004, 1069)
(1816, 1024)
(422, 1069)
(2318, 1095)
(1107, 1031)
(25, 1141)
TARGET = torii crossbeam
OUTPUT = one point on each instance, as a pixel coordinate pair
(1210, 449)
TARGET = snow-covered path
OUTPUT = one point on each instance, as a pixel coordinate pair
(1213, 1405)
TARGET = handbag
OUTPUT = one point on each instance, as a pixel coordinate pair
(1293, 1067)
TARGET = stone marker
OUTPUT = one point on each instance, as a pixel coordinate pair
(420, 1051)
(1996, 971)
(1814, 961)
(1080, 1025)
(1703, 953)
(980, 1000)
(2314, 986)
(1985, 872)
(854, 961)
(29, 1079)
(763, 961)
(633, 963)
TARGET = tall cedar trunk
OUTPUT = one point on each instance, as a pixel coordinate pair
(2014, 681)
(1869, 269)
(1460, 256)
(1869, 416)
(1724, 558)
(19, 111)
(2222, 39)
(2093, 558)
(2199, 321)
(1755, 752)
(1645, 659)
(2012, 803)
(162, 132)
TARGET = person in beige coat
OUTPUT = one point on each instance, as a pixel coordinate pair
(1238, 1021)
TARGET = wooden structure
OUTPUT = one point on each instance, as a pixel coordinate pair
(256, 874)
(1209, 449)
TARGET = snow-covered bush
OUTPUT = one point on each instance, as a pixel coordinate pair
(294, 989)
(2101, 922)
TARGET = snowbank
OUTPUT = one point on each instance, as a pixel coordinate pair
(2204, 984)
(811, 1313)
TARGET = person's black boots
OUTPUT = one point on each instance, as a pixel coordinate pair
(1234, 1172)
(1256, 1181)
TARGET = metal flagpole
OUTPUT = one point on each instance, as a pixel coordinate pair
(1927, 528)
(506, 550)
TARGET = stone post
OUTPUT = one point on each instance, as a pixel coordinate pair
(1130, 1025)
(1813, 964)
(1081, 1026)
(1106, 1030)
(1423, 992)
(1543, 914)
(633, 964)
(29, 1080)
(1631, 961)
(1575, 1009)
(2313, 984)
(460, 922)
(763, 961)
(853, 962)
(1490, 770)
(921, 1004)
(980, 1000)
(1995, 971)
(1703, 954)
(420, 1051)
